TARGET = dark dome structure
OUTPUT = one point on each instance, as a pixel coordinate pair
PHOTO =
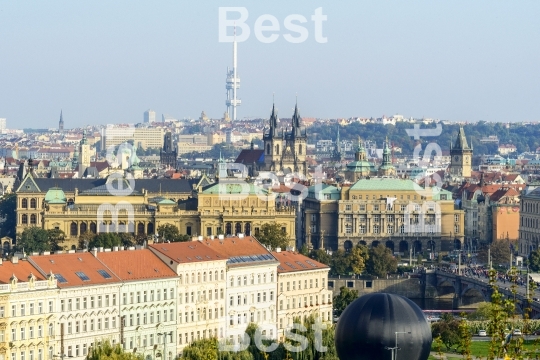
(367, 329)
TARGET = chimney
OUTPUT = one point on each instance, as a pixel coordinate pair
(46, 253)
(131, 248)
(115, 248)
(211, 237)
(221, 237)
(278, 249)
(94, 252)
(15, 260)
(101, 249)
(201, 238)
(0, 261)
(240, 236)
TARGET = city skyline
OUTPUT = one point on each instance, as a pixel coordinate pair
(108, 63)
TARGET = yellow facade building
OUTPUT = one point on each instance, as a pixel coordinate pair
(141, 206)
(397, 213)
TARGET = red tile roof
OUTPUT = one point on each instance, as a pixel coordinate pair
(135, 264)
(187, 252)
(235, 246)
(291, 261)
(67, 265)
(22, 270)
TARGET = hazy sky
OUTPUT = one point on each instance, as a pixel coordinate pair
(109, 61)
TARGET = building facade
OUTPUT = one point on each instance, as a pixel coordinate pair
(395, 212)
(529, 224)
(201, 290)
(302, 290)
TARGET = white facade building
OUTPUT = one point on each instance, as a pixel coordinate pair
(302, 290)
(149, 116)
(87, 308)
(148, 302)
(251, 286)
(201, 275)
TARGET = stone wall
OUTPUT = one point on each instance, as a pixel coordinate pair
(414, 287)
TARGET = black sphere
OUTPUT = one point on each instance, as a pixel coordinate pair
(367, 329)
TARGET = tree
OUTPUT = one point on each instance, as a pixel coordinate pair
(448, 330)
(33, 239)
(169, 232)
(534, 260)
(85, 239)
(358, 256)
(105, 240)
(381, 261)
(106, 351)
(56, 237)
(500, 252)
(483, 312)
(345, 297)
(340, 262)
(8, 207)
(321, 256)
(273, 236)
(304, 250)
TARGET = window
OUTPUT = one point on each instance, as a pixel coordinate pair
(456, 218)
(40, 331)
(348, 207)
(22, 310)
(33, 219)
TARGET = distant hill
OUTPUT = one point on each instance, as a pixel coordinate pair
(524, 137)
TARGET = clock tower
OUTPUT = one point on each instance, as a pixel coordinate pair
(461, 156)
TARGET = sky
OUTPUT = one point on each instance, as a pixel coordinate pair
(104, 62)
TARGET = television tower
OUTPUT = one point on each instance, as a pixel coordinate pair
(232, 84)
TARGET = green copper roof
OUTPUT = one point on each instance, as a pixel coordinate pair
(55, 196)
(166, 202)
(359, 164)
(234, 188)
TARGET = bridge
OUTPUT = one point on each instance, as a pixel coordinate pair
(470, 290)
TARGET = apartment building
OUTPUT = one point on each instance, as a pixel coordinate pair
(87, 305)
(27, 312)
(141, 136)
(251, 285)
(529, 224)
(302, 290)
(201, 273)
(148, 301)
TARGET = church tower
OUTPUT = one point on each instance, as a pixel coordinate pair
(61, 122)
(387, 168)
(285, 149)
(84, 155)
(273, 143)
(461, 156)
(168, 154)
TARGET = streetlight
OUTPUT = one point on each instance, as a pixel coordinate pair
(165, 342)
(396, 348)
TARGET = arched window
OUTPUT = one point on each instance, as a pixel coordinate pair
(33, 219)
(93, 228)
(33, 203)
(277, 149)
(300, 149)
(24, 203)
(84, 228)
(267, 149)
(140, 228)
(73, 229)
(24, 219)
(222, 275)
(150, 228)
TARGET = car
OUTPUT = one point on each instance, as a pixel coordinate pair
(482, 333)
(517, 332)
